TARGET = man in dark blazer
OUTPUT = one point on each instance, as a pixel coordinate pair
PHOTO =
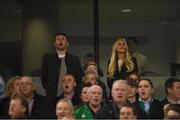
(147, 107)
(39, 106)
(53, 65)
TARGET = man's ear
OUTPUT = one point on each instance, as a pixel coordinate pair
(67, 43)
(54, 44)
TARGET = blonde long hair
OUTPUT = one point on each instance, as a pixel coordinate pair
(9, 90)
(114, 57)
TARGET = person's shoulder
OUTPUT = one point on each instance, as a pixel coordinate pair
(49, 55)
(71, 55)
(142, 56)
(40, 97)
(108, 105)
(158, 101)
(5, 100)
(80, 107)
(134, 59)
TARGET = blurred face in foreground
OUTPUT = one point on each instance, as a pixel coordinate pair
(16, 109)
(64, 109)
(171, 114)
(126, 113)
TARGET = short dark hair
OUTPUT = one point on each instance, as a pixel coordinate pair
(132, 38)
(169, 83)
(60, 33)
(129, 105)
(148, 80)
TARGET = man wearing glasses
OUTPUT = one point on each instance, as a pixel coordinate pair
(39, 106)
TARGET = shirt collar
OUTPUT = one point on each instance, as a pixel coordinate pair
(147, 101)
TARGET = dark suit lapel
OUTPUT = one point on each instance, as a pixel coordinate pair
(67, 61)
(57, 62)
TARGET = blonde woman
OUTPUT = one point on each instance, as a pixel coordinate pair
(12, 86)
(121, 63)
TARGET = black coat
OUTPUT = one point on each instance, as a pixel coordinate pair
(108, 111)
(155, 110)
(75, 99)
(42, 107)
(50, 71)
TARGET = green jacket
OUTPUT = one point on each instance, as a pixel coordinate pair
(83, 112)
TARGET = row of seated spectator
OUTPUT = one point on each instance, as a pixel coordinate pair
(88, 102)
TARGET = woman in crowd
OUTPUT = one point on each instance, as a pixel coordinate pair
(12, 86)
(121, 63)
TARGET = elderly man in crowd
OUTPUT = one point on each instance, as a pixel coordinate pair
(120, 93)
(39, 106)
(69, 90)
(90, 109)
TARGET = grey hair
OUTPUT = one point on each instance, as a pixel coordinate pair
(120, 81)
(68, 102)
(92, 88)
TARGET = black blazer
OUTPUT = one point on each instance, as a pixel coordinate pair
(155, 110)
(42, 107)
(108, 111)
(123, 74)
(50, 71)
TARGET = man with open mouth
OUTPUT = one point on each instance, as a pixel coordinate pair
(148, 107)
(57, 64)
(69, 90)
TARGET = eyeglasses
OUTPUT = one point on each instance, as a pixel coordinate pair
(26, 84)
